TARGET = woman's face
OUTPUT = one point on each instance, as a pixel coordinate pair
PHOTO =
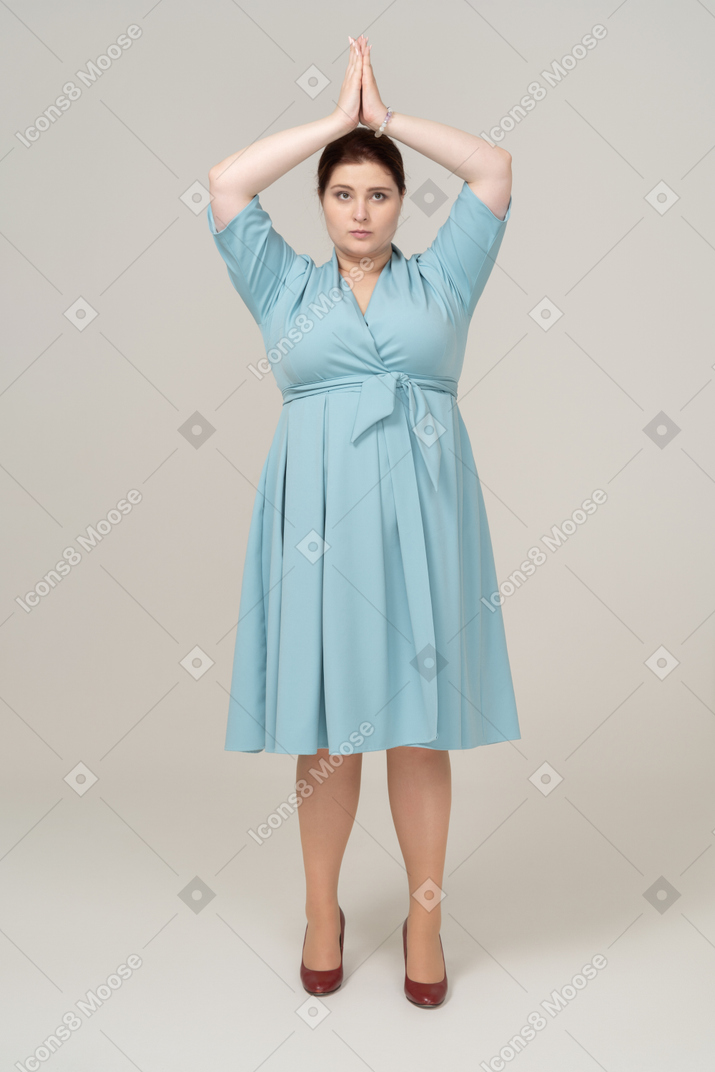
(361, 198)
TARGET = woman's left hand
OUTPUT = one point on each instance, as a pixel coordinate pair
(372, 110)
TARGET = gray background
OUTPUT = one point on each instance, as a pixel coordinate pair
(109, 206)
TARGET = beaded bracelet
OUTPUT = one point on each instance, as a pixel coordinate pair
(388, 117)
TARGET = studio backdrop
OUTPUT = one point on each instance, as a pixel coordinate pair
(151, 884)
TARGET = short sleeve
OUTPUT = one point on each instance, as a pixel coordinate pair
(259, 260)
(466, 245)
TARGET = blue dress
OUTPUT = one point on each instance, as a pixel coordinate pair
(361, 622)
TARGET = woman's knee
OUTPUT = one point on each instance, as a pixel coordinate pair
(335, 759)
(415, 754)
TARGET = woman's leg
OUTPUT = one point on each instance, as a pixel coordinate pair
(419, 782)
(326, 819)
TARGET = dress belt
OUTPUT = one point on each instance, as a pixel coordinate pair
(377, 401)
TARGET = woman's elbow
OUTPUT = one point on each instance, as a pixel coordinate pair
(215, 174)
(504, 157)
(226, 167)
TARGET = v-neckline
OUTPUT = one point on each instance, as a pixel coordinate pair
(387, 264)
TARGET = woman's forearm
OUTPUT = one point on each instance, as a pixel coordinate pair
(251, 170)
(467, 156)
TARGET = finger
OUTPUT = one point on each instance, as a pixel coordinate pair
(357, 70)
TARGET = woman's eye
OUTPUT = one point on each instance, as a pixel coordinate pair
(378, 193)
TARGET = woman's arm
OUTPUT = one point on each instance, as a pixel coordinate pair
(486, 168)
(237, 179)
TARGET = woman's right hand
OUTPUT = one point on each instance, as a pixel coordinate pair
(347, 111)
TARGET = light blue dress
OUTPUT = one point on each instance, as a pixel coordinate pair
(361, 621)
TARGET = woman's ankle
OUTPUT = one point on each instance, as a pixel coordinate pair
(322, 909)
(426, 922)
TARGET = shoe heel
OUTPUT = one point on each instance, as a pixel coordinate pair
(328, 981)
(424, 995)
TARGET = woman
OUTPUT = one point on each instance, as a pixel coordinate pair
(366, 618)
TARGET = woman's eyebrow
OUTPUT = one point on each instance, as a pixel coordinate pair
(344, 185)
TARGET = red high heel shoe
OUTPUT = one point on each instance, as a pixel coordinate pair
(426, 995)
(323, 982)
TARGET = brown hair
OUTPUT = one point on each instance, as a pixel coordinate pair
(356, 147)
